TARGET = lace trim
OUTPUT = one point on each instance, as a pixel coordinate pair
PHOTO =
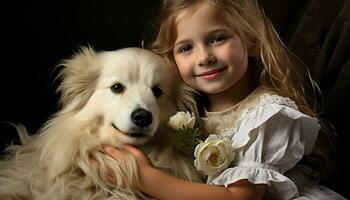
(232, 117)
(264, 100)
(228, 132)
(274, 99)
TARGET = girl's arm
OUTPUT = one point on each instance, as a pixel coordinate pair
(162, 186)
(165, 187)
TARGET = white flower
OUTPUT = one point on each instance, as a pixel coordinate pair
(182, 120)
(213, 155)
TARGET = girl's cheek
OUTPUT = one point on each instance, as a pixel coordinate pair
(185, 65)
(234, 54)
(180, 63)
(185, 71)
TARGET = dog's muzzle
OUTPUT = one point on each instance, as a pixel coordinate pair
(141, 118)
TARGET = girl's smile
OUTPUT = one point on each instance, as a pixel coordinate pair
(212, 74)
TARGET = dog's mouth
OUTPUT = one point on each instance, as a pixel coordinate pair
(137, 133)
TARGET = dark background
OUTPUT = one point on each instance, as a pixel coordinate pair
(37, 35)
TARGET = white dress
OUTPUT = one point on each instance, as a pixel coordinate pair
(269, 136)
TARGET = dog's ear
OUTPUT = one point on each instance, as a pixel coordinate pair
(78, 77)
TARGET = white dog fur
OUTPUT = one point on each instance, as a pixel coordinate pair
(99, 93)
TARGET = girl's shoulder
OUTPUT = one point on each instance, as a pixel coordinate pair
(264, 97)
(268, 97)
(264, 113)
(228, 120)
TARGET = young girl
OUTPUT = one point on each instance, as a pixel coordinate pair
(251, 93)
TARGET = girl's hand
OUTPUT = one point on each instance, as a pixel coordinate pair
(109, 175)
(142, 161)
(118, 154)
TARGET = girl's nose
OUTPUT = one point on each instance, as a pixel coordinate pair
(205, 57)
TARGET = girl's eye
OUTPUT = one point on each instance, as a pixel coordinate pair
(157, 91)
(117, 88)
(185, 48)
(217, 39)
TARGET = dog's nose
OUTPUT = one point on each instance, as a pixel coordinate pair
(141, 117)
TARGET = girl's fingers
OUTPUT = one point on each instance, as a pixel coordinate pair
(108, 174)
(132, 150)
(113, 152)
(141, 158)
(118, 154)
(95, 165)
(111, 179)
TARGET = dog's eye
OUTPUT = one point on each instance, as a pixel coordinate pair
(157, 92)
(117, 88)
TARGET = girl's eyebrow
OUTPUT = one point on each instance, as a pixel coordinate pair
(181, 42)
(224, 30)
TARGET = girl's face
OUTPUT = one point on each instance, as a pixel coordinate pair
(209, 55)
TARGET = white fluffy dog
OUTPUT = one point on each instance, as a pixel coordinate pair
(123, 96)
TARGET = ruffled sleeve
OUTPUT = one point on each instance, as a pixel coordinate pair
(270, 140)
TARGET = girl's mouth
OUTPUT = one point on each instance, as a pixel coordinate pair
(212, 74)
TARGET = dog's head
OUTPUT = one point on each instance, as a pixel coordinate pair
(126, 93)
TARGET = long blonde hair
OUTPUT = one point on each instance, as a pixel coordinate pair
(277, 68)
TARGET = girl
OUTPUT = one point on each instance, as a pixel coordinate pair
(254, 96)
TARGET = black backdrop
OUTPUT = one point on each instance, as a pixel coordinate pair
(36, 35)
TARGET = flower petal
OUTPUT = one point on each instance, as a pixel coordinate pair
(213, 155)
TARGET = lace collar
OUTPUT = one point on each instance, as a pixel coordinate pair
(252, 97)
(217, 122)
(225, 122)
